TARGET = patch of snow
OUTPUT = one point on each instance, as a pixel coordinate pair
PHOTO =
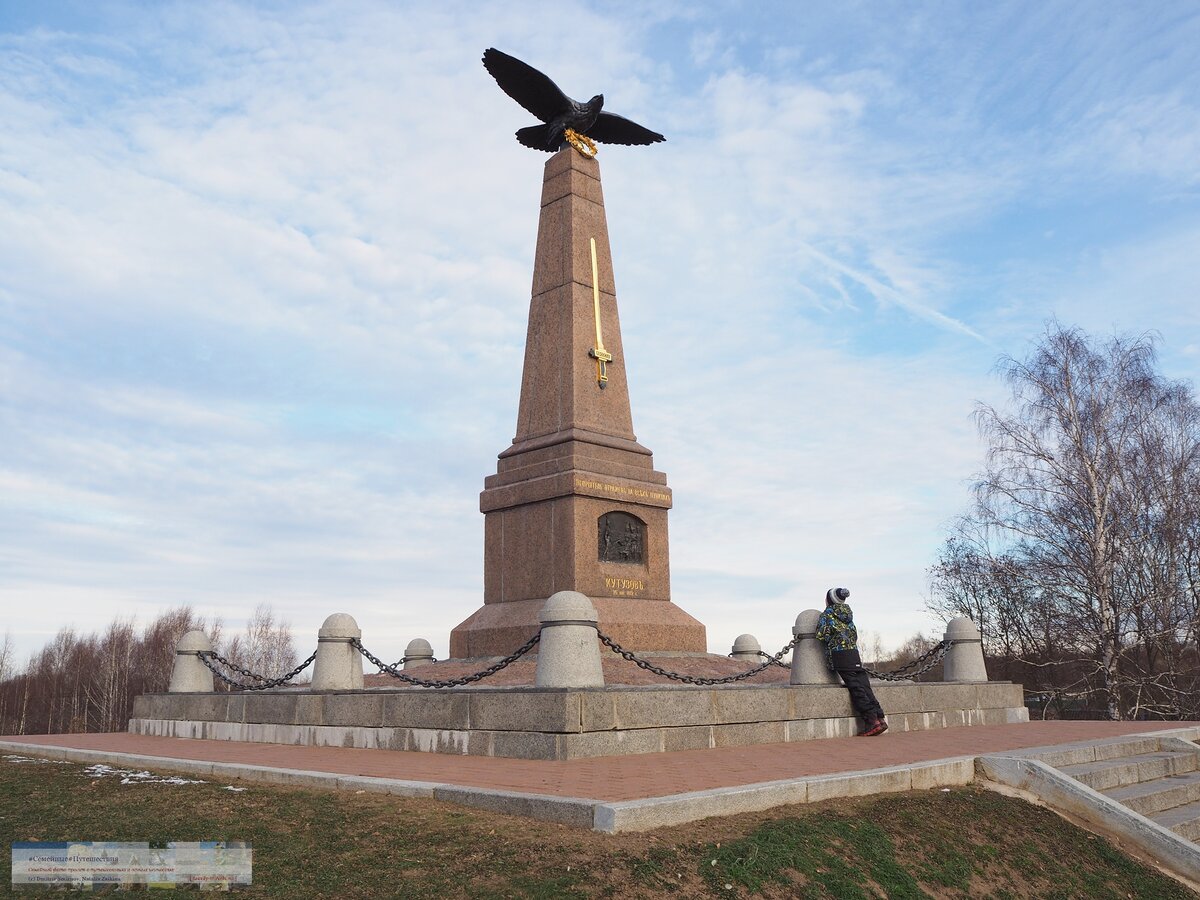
(14, 758)
(230, 787)
(128, 776)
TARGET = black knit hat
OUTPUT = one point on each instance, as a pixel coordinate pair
(837, 595)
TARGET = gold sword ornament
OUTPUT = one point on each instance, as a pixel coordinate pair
(598, 353)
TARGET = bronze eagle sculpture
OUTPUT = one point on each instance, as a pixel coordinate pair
(542, 97)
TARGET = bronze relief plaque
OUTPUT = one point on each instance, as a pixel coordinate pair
(622, 538)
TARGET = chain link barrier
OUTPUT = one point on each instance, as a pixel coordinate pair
(921, 664)
(929, 658)
(207, 656)
(402, 660)
(774, 661)
(690, 679)
(385, 669)
(764, 655)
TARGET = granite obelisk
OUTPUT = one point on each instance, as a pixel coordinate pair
(575, 503)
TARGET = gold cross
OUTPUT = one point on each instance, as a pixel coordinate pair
(598, 353)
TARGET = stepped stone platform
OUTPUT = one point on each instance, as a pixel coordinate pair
(526, 722)
(637, 792)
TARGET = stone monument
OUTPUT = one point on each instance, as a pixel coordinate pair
(575, 504)
(575, 539)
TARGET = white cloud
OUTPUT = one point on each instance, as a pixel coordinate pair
(1159, 135)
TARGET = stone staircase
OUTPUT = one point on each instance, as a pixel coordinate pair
(1158, 778)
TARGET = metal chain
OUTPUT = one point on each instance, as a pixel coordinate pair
(689, 679)
(263, 683)
(402, 660)
(229, 664)
(773, 660)
(385, 669)
(928, 658)
(765, 655)
(921, 664)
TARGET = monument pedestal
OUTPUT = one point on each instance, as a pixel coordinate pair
(575, 503)
(539, 723)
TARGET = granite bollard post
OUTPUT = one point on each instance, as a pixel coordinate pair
(418, 653)
(810, 665)
(189, 673)
(569, 652)
(338, 666)
(964, 657)
(747, 647)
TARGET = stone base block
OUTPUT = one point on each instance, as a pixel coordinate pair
(497, 629)
(533, 723)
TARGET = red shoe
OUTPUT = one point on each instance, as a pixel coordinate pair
(879, 727)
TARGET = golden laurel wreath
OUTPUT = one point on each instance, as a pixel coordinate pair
(581, 142)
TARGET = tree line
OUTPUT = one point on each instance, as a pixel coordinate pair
(1079, 557)
(87, 682)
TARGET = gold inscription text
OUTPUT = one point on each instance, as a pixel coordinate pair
(620, 490)
(624, 587)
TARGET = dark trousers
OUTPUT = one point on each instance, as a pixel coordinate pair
(848, 665)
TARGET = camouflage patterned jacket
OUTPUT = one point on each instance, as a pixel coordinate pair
(835, 628)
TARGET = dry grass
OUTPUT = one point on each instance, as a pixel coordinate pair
(313, 843)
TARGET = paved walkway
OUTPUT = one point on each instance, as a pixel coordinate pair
(619, 778)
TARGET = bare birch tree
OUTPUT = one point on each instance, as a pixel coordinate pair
(1078, 556)
(266, 647)
(88, 682)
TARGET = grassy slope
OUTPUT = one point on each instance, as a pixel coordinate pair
(312, 843)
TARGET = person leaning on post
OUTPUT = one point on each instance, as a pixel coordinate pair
(835, 629)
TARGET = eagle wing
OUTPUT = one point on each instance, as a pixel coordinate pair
(613, 129)
(525, 84)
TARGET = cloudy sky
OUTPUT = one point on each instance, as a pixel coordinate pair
(265, 271)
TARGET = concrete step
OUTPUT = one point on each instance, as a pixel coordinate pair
(1183, 820)
(1148, 797)
(1113, 773)
(1080, 752)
